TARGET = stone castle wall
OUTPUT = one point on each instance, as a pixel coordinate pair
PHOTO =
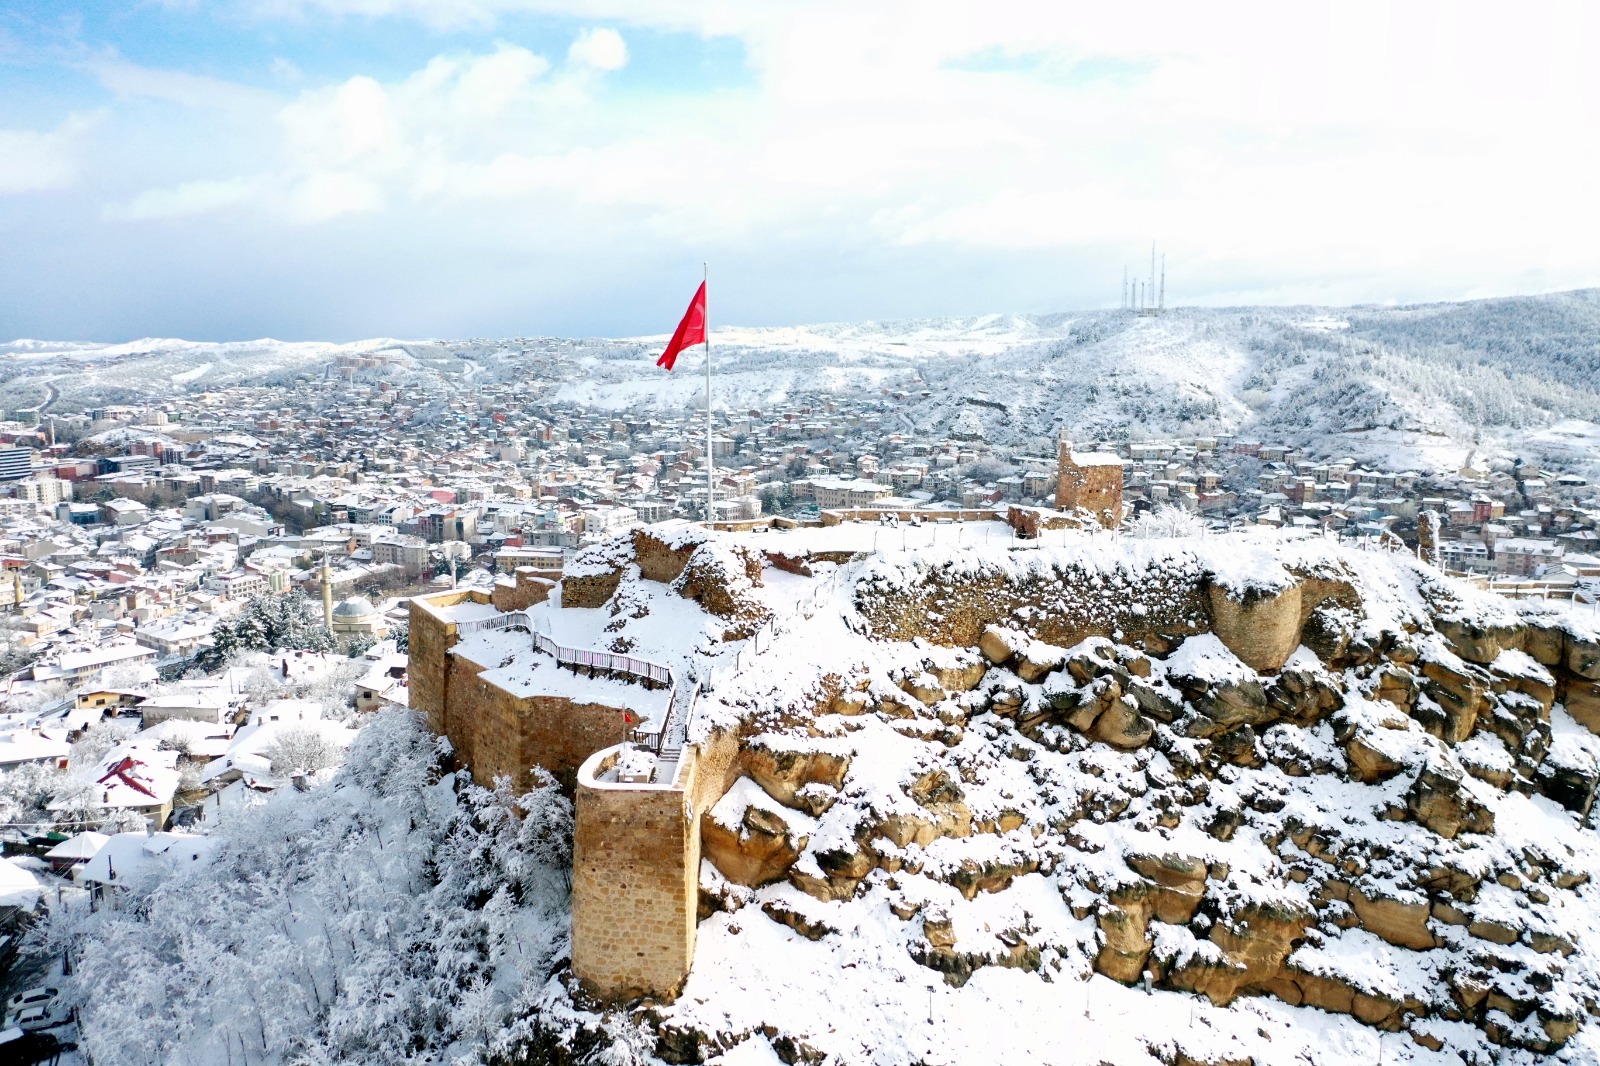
(636, 872)
(429, 659)
(1096, 489)
(498, 734)
(636, 859)
(1072, 603)
(495, 733)
(634, 896)
(594, 590)
(528, 587)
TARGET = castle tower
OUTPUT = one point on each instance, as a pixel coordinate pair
(327, 594)
(1089, 481)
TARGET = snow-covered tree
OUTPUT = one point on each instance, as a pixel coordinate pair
(302, 750)
(392, 916)
(1166, 521)
(268, 623)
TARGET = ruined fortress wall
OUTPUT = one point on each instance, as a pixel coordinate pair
(592, 591)
(1096, 489)
(1073, 604)
(635, 890)
(530, 588)
(660, 561)
(1069, 604)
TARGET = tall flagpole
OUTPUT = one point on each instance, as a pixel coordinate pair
(711, 514)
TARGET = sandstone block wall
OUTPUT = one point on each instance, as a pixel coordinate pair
(636, 873)
(530, 587)
(1096, 489)
(493, 732)
(496, 733)
(592, 591)
(634, 890)
(428, 658)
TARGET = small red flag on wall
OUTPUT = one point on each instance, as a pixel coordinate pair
(692, 330)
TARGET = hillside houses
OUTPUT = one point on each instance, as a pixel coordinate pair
(143, 527)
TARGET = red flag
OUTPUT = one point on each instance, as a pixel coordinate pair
(692, 330)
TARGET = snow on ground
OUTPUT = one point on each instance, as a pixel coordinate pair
(849, 981)
(1407, 387)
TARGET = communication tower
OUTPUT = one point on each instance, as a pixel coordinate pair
(1147, 296)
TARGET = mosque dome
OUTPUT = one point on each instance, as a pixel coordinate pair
(355, 609)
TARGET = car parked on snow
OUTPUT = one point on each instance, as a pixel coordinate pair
(31, 997)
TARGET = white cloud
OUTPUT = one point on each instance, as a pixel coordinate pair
(350, 123)
(190, 198)
(326, 195)
(602, 49)
(1266, 145)
(286, 70)
(33, 161)
(189, 90)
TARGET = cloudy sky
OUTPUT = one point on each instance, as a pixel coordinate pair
(223, 169)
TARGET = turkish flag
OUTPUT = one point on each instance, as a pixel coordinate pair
(692, 330)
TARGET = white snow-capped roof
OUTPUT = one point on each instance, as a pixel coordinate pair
(83, 846)
(18, 887)
(127, 854)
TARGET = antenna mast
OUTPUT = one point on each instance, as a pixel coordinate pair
(1161, 304)
(1150, 291)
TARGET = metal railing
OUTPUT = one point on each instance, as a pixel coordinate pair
(667, 742)
(651, 674)
(642, 670)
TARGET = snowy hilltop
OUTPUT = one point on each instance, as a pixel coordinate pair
(1409, 383)
(1245, 798)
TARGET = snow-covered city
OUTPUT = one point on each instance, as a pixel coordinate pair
(798, 535)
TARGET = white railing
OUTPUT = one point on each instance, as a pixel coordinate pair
(626, 665)
(653, 674)
(499, 621)
(667, 742)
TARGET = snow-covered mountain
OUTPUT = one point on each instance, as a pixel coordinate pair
(1415, 384)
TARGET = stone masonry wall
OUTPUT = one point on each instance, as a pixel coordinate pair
(430, 642)
(1147, 609)
(496, 733)
(634, 891)
(594, 591)
(636, 875)
(660, 561)
(1096, 489)
(529, 588)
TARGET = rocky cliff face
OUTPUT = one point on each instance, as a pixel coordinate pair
(1299, 794)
